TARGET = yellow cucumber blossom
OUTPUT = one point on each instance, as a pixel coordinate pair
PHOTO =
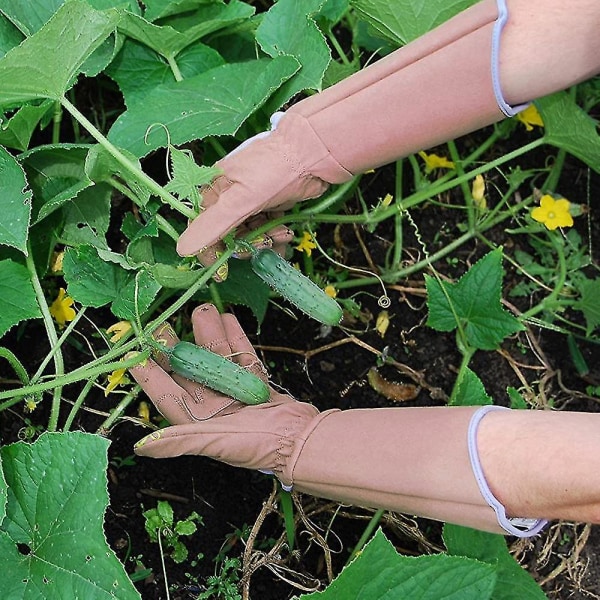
(553, 213)
(56, 263)
(61, 309)
(307, 243)
(119, 330)
(530, 117)
(116, 378)
(330, 291)
(433, 162)
(478, 193)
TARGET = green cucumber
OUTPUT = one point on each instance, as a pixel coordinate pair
(295, 287)
(217, 372)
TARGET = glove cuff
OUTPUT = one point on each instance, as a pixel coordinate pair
(517, 526)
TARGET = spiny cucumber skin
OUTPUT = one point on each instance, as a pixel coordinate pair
(218, 373)
(296, 287)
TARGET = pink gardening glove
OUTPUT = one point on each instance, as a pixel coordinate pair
(442, 85)
(207, 422)
(422, 461)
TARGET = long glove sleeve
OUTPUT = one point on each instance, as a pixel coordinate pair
(442, 85)
(422, 461)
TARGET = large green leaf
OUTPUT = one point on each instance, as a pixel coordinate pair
(181, 31)
(95, 282)
(15, 203)
(570, 127)
(30, 15)
(289, 28)
(402, 21)
(52, 544)
(17, 297)
(380, 573)
(473, 303)
(138, 69)
(214, 103)
(513, 581)
(30, 71)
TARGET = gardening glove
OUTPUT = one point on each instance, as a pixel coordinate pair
(421, 461)
(438, 87)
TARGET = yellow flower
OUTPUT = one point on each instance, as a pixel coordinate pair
(330, 291)
(387, 200)
(115, 379)
(553, 213)
(30, 404)
(61, 309)
(433, 162)
(144, 411)
(478, 192)
(306, 243)
(530, 117)
(56, 263)
(119, 329)
(382, 323)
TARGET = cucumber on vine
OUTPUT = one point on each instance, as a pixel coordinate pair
(295, 287)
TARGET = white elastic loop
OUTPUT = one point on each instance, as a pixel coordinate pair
(507, 109)
(517, 526)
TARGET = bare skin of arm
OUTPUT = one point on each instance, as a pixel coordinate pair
(545, 463)
(548, 46)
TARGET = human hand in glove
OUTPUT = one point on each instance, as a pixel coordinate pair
(469, 72)
(421, 461)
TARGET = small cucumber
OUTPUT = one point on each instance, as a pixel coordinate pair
(295, 287)
(217, 373)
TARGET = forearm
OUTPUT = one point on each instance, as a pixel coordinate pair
(543, 463)
(548, 46)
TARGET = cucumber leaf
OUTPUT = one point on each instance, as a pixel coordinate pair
(380, 573)
(16, 296)
(473, 302)
(52, 544)
(15, 203)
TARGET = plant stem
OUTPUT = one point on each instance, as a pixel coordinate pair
(458, 165)
(61, 340)
(398, 232)
(72, 377)
(338, 48)
(77, 405)
(56, 121)
(116, 412)
(467, 355)
(174, 68)
(550, 301)
(59, 364)
(551, 182)
(366, 534)
(16, 364)
(133, 169)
